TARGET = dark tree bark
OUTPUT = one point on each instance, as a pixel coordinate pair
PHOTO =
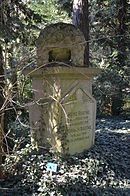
(121, 31)
(81, 21)
(1, 111)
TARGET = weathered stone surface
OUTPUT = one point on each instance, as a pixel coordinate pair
(64, 112)
(80, 108)
(66, 43)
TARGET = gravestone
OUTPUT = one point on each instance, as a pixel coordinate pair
(63, 113)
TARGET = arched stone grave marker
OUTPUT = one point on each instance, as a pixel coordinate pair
(63, 116)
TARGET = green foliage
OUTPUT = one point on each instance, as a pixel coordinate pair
(51, 11)
(108, 34)
(16, 21)
(109, 49)
(16, 130)
(109, 91)
(109, 29)
(20, 24)
(66, 5)
(100, 171)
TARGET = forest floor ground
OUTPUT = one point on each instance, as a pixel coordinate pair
(104, 170)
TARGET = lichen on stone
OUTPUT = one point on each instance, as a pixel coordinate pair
(65, 41)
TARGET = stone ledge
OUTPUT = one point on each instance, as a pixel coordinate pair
(63, 71)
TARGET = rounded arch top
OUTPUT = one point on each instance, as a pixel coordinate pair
(63, 41)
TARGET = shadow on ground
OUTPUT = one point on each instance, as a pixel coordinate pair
(101, 171)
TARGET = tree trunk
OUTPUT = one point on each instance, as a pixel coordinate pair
(117, 100)
(121, 31)
(81, 21)
(1, 110)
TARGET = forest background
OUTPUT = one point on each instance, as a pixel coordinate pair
(20, 25)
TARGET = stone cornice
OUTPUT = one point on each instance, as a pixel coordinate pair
(76, 72)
